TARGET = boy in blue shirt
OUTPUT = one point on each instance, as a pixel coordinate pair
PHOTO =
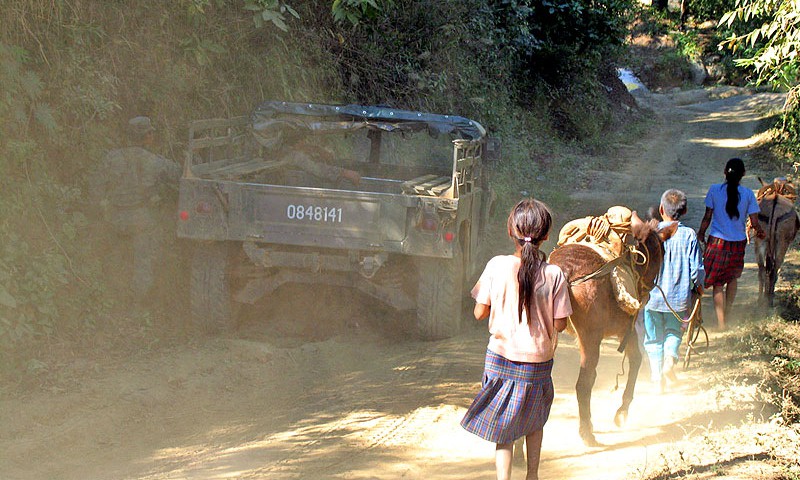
(681, 273)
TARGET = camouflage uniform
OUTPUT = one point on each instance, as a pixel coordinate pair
(129, 184)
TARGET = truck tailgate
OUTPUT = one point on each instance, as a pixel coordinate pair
(299, 216)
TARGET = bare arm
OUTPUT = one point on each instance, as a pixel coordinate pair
(560, 324)
(757, 226)
(701, 232)
(481, 311)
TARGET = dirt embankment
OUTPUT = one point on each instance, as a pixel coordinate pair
(341, 391)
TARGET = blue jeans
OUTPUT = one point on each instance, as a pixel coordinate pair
(662, 337)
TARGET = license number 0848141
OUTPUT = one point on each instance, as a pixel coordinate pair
(311, 213)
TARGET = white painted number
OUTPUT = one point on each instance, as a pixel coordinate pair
(314, 213)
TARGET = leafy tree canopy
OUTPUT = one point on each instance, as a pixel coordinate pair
(770, 43)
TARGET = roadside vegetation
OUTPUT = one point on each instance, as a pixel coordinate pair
(541, 76)
(72, 73)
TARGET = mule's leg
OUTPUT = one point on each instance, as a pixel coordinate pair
(772, 280)
(634, 363)
(590, 355)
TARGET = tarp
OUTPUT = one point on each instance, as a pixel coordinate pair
(630, 80)
(321, 119)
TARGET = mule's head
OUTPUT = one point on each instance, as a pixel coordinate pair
(650, 242)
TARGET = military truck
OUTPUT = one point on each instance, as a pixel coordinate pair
(405, 231)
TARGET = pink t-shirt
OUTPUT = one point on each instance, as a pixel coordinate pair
(515, 340)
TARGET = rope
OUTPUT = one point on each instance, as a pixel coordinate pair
(645, 262)
(640, 287)
(694, 308)
(624, 351)
(604, 269)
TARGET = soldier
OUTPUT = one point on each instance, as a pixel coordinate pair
(130, 184)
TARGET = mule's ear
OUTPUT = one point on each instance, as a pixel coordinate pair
(636, 220)
(668, 231)
(761, 181)
(639, 227)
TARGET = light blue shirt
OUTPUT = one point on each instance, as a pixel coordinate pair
(681, 271)
(723, 226)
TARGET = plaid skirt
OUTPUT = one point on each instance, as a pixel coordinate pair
(514, 400)
(723, 261)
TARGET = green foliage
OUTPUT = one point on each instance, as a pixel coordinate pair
(790, 121)
(355, 11)
(202, 50)
(774, 52)
(710, 9)
(22, 89)
(551, 40)
(687, 44)
(34, 267)
(769, 49)
(270, 11)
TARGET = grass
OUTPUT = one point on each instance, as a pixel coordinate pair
(754, 368)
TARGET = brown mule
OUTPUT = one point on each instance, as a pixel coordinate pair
(781, 223)
(597, 315)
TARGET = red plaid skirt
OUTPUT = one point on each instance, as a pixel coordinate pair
(723, 261)
(514, 400)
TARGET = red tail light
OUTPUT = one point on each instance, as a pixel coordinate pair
(449, 237)
(184, 215)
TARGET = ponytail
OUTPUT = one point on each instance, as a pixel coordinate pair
(734, 171)
(532, 260)
(528, 224)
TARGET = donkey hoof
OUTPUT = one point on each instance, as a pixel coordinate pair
(621, 418)
(591, 441)
(588, 438)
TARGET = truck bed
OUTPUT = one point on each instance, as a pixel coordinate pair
(269, 172)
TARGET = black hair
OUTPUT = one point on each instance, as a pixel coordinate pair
(653, 214)
(528, 224)
(734, 171)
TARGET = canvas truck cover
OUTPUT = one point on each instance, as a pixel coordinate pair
(322, 119)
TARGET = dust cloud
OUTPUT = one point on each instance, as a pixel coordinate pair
(325, 383)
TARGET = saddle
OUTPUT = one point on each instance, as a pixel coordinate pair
(777, 201)
(779, 187)
(609, 235)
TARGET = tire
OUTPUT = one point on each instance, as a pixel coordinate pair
(210, 295)
(439, 296)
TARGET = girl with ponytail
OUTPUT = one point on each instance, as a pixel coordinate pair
(527, 303)
(728, 206)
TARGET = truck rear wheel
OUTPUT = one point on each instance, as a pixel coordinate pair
(439, 296)
(210, 297)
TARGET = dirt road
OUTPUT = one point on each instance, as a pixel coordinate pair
(345, 393)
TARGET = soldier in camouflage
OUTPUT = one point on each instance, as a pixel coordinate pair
(131, 185)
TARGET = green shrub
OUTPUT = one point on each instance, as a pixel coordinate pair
(710, 9)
